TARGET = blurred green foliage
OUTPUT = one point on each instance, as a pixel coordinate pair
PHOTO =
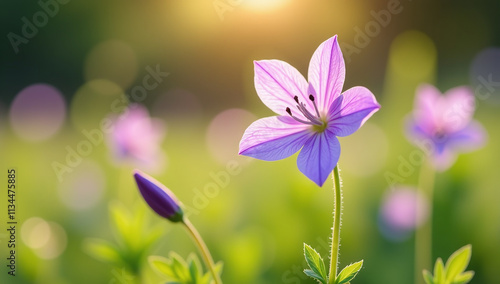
(179, 271)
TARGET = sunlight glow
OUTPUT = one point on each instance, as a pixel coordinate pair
(263, 5)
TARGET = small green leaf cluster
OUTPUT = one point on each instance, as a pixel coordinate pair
(454, 270)
(176, 270)
(318, 272)
(133, 238)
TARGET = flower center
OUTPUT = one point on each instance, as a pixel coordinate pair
(312, 119)
(440, 135)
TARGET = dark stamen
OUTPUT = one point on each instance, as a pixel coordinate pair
(311, 97)
(311, 119)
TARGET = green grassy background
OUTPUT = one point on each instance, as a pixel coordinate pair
(258, 222)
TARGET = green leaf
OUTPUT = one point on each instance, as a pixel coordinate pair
(102, 250)
(162, 266)
(218, 267)
(176, 270)
(314, 275)
(457, 263)
(428, 277)
(138, 231)
(120, 220)
(180, 268)
(439, 271)
(349, 272)
(463, 278)
(316, 264)
(194, 268)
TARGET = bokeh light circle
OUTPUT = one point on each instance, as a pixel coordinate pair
(413, 55)
(94, 101)
(112, 60)
(225, 132)
(47, 239)
(37, 112)
(84, 187)
(35, 232)
(485, 75)
(57, 243)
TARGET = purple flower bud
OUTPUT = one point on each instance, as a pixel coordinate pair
(158, 197)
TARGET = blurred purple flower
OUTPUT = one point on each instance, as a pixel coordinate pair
(136, 137)
(158, 197)
(403, 210)
(310, 114)
(444, 124)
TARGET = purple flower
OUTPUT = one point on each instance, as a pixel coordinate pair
(443, 125)
(310, 114)
(158, 197)
(136, 138)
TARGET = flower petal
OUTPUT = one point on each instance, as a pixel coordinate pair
(326, 73)
(319, 156)
(437, 150)
(457, 109)
(414, 132)
(274, 138)
(427, 108)
(443, 160)
(350, 111)
(470, 138)
(277, 83)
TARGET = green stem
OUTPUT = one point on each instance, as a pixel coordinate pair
(207, 257)
(337, 213)
(423, 234)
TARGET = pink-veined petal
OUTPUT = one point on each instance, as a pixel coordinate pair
(274, 138)
(319, 156)
(457, 108)
(326, 73)
(277, 83)
(350, 111)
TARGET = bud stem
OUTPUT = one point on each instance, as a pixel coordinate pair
(207, 257)
(337, 214)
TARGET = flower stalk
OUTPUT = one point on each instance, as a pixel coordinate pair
(207, 257)
(337, 215)
(423, 234)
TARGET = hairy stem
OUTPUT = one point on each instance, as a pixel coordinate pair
(207, 257)
(337, 213)
(423, 234)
